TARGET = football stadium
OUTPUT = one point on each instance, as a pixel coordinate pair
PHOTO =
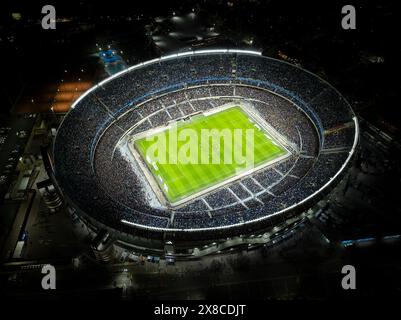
(203, 151)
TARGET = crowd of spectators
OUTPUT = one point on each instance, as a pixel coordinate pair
(301, 107)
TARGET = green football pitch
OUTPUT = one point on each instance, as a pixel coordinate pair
(197, 161)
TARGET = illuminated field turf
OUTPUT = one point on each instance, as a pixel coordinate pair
(179, 180)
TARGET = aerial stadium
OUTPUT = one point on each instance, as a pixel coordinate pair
(303, 133)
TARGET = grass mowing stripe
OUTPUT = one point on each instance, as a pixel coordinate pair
(183, 180)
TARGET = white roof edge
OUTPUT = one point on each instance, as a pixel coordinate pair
(245, 51)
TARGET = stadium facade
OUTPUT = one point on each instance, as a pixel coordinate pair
(105, 187)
